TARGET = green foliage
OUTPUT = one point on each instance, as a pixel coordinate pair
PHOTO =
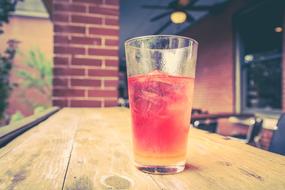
(16, 117)
(39, 76)
(39, 109)
(19, 115)
(6, 7)
(6, 60)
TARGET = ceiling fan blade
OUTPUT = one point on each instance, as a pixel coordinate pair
(190, 5)
(159, 16)
(190, 18)
(163, 27)
(155, 7)
(192, 2)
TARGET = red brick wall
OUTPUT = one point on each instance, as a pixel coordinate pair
(265, 140)
(86, 42)
(214, 86)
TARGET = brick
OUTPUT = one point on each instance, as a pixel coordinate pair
(112, 2)
(86, 82)
(68, 71)
(60, 17)
(85, 103)
(105, 52)
(69, 50)
(74, 42)
(111, 62)
(111, 83)
(61, 39)
(265, 142)
(89, 1)
(66, 92)
(102, 72)
(69, 29)
(68, 7)
(111, 22)
(110, 103)
(86, 19)
(266, 136)
(86, 61)
(60, 60)
(103, 11)
(60, 82)
(60, 103)
(104, 31)
(110, 42)
(102, 93)
(85, 40)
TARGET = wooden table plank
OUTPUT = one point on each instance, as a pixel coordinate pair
(38, 159)
(215, 162)
(18, 124)
(101, 157)
(90, 145)
(11, 131)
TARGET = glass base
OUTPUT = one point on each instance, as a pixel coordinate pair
(162, 170)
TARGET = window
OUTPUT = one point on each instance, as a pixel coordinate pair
(260, 31)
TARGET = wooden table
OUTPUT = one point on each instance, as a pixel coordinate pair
(84, 149)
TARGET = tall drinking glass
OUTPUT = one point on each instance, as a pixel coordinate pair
(161, 72)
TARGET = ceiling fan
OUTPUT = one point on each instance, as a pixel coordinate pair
(179, 11)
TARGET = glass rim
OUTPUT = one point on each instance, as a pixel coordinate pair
(150, 36)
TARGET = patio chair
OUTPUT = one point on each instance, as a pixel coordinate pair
(277, 144)
(253, 134)
(209, 122)
(209, 125)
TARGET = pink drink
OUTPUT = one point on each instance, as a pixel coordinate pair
(161, 109)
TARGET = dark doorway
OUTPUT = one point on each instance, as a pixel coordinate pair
(259, 32)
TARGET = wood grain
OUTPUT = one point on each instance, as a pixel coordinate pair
(101, 158)
(215, 162)
(9, 132)
(39, 159)
(18, 124)
(91, 149)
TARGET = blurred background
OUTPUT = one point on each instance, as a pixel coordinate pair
(26, 51)
(54, 53)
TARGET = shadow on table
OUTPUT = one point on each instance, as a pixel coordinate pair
(191, 167)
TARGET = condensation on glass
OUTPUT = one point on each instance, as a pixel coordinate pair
(174, 55)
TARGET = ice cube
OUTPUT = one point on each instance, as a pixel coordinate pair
(152, 93)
